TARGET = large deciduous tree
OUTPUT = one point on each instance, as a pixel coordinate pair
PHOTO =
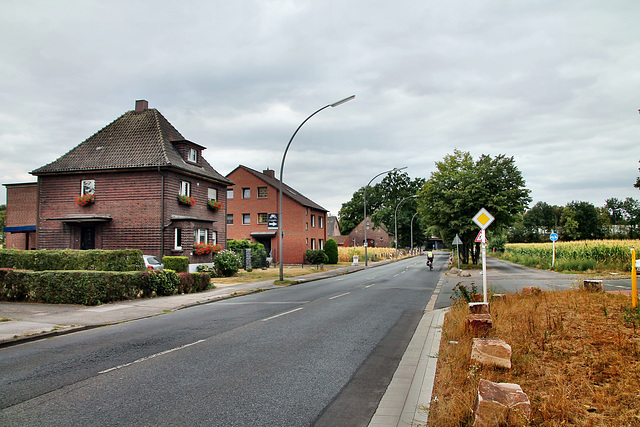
(460, 187)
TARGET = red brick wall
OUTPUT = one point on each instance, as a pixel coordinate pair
(298, 231)
(22, 208)
(134, 202)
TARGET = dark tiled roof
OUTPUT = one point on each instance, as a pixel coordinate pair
(286, 190)
(137, 139)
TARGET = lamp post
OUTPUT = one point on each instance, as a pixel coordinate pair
(284, 155)
(414, 215)
(366, 259)
(396, 218)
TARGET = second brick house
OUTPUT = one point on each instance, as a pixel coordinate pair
(251, 200)
(137, 183)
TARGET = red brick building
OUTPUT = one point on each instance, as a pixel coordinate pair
(378, 237)
(252, 199)
(20, 223)
(126, 187)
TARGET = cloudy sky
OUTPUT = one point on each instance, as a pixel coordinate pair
(554, 84)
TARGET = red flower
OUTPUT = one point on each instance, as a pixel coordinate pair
(84, 199)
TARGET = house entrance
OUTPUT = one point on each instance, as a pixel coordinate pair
(87, 237)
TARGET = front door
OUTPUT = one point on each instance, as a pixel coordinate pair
(87, 237)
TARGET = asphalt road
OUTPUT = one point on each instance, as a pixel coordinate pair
(321, 352)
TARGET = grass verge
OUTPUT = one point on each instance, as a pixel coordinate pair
(576, 355)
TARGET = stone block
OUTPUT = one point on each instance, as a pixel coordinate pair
(498, 297)
(491, 352)
(478, 325)
(497, 402)
(530, 290)
(479, 307)
(592, 285)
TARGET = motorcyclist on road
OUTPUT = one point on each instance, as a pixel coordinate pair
(430, 258)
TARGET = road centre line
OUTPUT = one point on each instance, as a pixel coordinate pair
(341, 295)
(282, 314)
(368, 286)
(150, 357)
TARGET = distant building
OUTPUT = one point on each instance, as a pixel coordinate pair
(136, 183)
(378, 237)
(333, 227)
(254, 197)
(22, 216)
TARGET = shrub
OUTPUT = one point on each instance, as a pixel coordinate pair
(179, 264)
(193, 282)
(331, 249)
(227, 262)
(70, 259)
(316, 257)
(204, 268)
(162, 282)
(258, 252)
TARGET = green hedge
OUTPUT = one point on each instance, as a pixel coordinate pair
(179, 264)
(70, 259)
(94, 287)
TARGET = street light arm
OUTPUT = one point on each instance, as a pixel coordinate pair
(396, 220)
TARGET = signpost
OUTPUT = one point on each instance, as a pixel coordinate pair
(272, 221)
(457, 242)
(484, 220)
(553, 237)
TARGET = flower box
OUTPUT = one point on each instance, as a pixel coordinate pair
(84, 199)
(186, 200)
(215, 205)
(206, 248)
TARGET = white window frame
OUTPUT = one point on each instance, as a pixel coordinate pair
(246, 193)
(193, 155)
(212, 193)
(320, 244)
(247, 217)
(200, 235)
(87, 186)
(177, 238)
(185, 188)
(230, 193)
(320, 222)
(313, 221)
(313, 244)
(214, 237)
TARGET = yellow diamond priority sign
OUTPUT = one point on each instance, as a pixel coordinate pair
(483, 218)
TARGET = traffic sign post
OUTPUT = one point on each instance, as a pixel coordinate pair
(484, 219)
(457, 242)
(553, 237)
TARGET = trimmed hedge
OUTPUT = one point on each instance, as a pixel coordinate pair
(179, 264)
(331, 249)
(70, 259)
(94, 287)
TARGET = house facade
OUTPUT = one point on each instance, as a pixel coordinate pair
(377, 237)
(137, 183)
(251, 202)
(22, 209)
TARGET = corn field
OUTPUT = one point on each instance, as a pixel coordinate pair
(345, 254)
(586, 255)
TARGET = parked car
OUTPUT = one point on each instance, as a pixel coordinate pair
(152, 262)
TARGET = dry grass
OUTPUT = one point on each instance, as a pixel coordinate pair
(576, 355)
(272, 273)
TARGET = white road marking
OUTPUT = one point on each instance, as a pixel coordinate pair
(368, 286)
(282, 314)
(341, 295)
(150, 357)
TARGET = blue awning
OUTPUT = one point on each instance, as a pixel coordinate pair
(20, 229)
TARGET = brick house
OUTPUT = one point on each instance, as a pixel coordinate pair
(20, 223)
(121, 188)
(378, 237)
(254, 196)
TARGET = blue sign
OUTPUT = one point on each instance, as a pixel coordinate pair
(553, 237)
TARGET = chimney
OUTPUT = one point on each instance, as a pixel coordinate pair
(269, 172)
(141, 105)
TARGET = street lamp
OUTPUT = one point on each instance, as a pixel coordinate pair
(366, 259)
(396, 217)
(414, 215)
(335, 104)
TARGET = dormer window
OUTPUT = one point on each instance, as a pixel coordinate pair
(193, 155)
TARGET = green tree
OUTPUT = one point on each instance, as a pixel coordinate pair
(331, 249)
(351, 213)
(460, 187)
(588, 221)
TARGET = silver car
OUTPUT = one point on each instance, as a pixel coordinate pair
(152, 262)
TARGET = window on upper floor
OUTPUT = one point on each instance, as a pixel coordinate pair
(88, 186)
(313, 221)
(212, 193)
(263, 218)
(230, 193)
(246, 218)
(193, 155)
(262, 192)
(246, 193)
(320, 222)
(185, 188)
(214, 237)
(229, 219)
(177, 239)
(313, 244)
(200, 235)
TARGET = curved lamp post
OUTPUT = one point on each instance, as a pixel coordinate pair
(366, 243)
(396, 217)
(414, 215)
(281, 254)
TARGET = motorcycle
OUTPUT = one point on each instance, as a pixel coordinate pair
(430, 263)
